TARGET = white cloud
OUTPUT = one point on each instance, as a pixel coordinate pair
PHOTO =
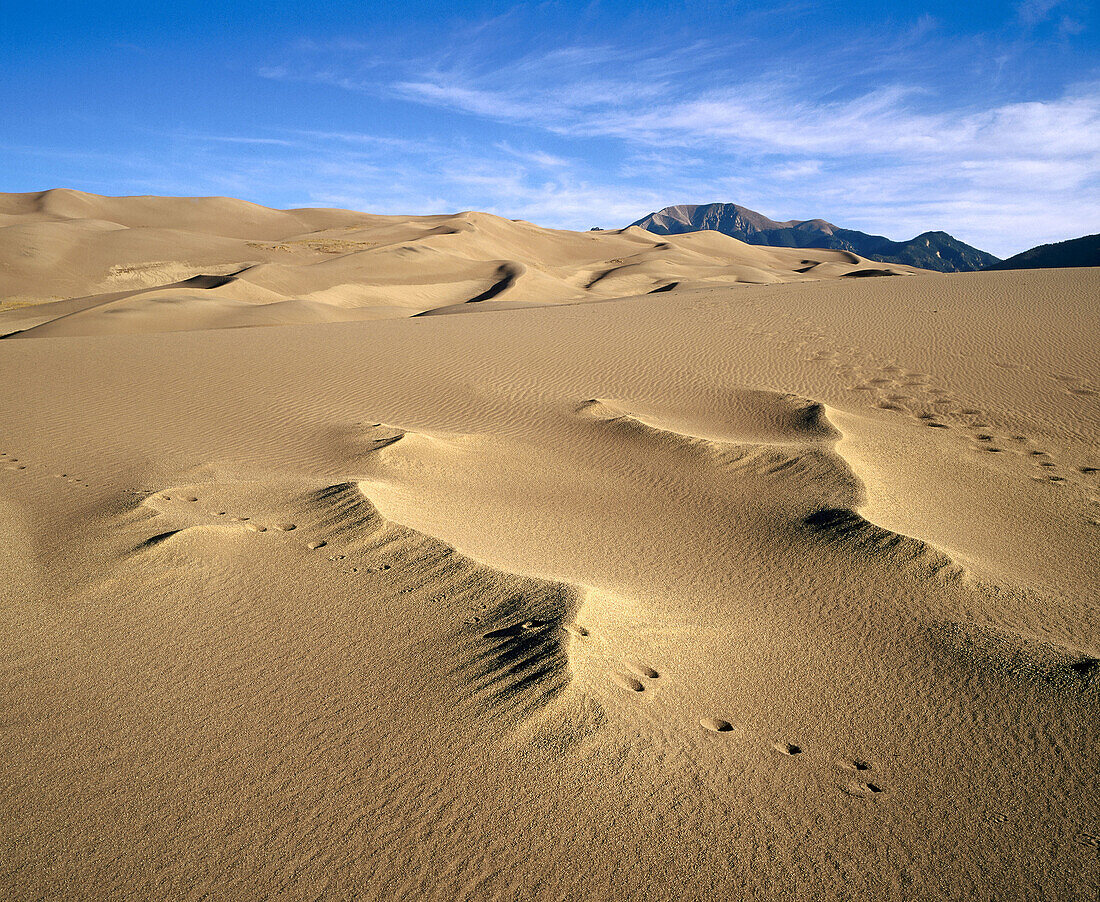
(535, 157)
(844, 137)
(1031, 12)
(967, 170)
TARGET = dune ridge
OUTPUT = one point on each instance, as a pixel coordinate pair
(79, 264)
(790, 447)
(782, 590)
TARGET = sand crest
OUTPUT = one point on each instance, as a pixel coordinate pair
(772, 590)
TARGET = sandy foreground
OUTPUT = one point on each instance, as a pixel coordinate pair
(776, 583)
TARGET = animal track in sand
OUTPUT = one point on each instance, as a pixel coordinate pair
(315, 544)
(642, 670)
(787, 748)
(574, 630)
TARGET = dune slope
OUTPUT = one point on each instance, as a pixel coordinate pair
(79, 264)
(775, 591)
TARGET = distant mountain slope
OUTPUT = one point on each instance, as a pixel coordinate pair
(1075, 252)
(930, 250)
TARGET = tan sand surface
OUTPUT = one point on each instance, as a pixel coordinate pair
(772, 591)
(80, 264)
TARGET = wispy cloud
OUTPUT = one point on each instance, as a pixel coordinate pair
(894, 159)
(773, 115)
(535, 157)
(894, 122)
(942, 162)
(1032, 12)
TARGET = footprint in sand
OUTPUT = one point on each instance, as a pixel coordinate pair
(628, 682)
(787, 748)
(716, 725)
(859, 765)
(516, 629)
(317, 543)
(864, 785)
(575, 630)
(864, 789)
(642, 670)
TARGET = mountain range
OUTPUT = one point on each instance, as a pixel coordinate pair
(929, 250)
(1083, 251)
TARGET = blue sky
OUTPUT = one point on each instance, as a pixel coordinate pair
(982, 119)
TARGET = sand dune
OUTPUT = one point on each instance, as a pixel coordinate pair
(329, 265)
(776, 591)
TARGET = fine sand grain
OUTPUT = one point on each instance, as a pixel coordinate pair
(776, 590)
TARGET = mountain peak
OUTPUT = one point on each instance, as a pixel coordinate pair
(933, 250)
